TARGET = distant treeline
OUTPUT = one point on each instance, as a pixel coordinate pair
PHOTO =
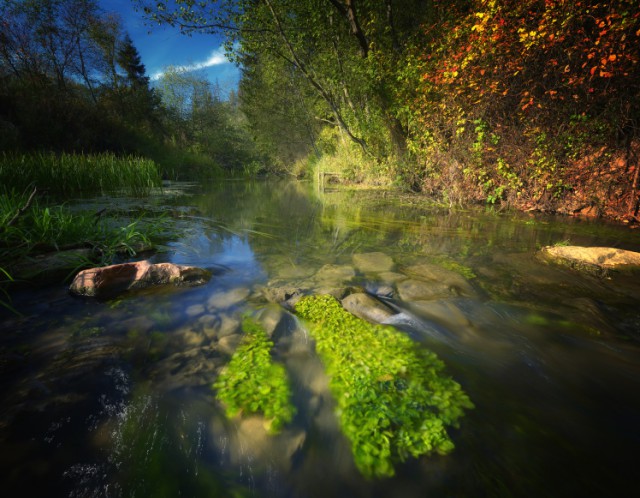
(71, 80)
(530, 103)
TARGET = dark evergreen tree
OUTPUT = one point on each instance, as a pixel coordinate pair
(140, 100)
(129, 60)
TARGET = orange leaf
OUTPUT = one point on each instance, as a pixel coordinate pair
(613, 57)
(593, 70)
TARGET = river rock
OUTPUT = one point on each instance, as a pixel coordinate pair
(366, 307)
(420, 290)
(373, 262)
(270, 318)
(228, 344)
(596, 259)
(279, 293)
(441, 277)
(334, 274)
(224, 300)
(285, 331)
(391, 277)
(227, 325)
(444, 312)
(251, 444)
(194, 310)
(109, 281)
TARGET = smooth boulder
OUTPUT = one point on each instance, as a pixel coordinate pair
(366, 307)
(109, 281)
(593, 258)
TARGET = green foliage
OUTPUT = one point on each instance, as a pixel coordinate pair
(79, 173)
(29, 229)
(5, 280)
(393, 400)
(253, 383)
(530, 98)
(200, 123)
(451, 264)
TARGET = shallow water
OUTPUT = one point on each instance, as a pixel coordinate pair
(114, 398)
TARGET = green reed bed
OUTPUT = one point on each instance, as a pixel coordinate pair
(79, 173)
(29, 229)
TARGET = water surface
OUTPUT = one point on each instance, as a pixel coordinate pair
(114, 398)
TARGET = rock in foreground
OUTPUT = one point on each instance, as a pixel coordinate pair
(593, 258)
(109, 281)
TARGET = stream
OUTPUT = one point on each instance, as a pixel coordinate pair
(114, 398)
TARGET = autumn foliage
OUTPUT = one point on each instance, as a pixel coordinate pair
(534, 102)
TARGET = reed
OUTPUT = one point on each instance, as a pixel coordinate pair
(28, 229)
(67, 174)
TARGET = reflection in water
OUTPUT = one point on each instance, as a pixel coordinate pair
(114, 398)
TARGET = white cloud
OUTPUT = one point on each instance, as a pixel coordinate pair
(216, 58)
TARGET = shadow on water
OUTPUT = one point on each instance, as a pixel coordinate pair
(114, 398)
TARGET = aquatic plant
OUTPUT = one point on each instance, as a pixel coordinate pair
(79, 173)
(5, 279)
(28, 229)
(393, 401)
(253, 383)
(453, 265)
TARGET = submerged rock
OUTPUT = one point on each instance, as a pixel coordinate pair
(420, 290)
(251, 444)
(373, 262)
(366, 307)
(441, 278)
(334, 274)
(282, 294)
(596, 259)
(109, 281)
(227, 299)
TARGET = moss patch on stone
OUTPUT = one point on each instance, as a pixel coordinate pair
(393, 400)
(253, 383)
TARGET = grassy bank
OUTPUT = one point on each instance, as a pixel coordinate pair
(66, 174)
(40, 243)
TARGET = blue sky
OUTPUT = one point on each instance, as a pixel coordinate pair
(160, 47)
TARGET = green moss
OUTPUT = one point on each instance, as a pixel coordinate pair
(454, 266)
(393, 400)
(253, 383)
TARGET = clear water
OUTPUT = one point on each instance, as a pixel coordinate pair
(114, 398)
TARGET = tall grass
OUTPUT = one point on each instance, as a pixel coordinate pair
(79, 173)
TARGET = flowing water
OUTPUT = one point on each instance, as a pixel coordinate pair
(114, 398)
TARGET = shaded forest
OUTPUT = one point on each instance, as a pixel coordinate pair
(531, 104)
(72, 81)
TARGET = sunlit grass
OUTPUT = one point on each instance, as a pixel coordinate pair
(79, 173)
(28, 229)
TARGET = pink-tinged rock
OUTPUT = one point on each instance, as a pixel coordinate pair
(108, 281)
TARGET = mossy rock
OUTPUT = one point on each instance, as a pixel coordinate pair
(252, 383)
(393, 399)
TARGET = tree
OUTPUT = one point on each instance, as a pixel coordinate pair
(129, 60)
(200, 121)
